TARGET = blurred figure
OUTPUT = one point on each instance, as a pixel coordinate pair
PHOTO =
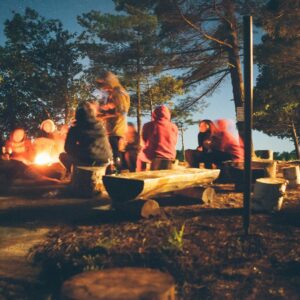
(228, 145)
(19, 147)
(2, 145)
(47, 129)
(132, 147)
(46, 145)
(114, 112)
(207, 129)
(160, 139)
(61, 136)
(86, 142)
(218, 145)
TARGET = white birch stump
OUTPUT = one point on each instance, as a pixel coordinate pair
(87, 181)
(292, 174)
(268, 194)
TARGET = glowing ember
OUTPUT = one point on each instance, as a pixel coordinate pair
(43, 159)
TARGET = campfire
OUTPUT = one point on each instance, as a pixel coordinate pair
(44, 158)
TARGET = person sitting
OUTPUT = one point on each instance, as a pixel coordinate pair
(160, 139)
(206, 129)
(46, 142)
(19, 147)
(219, 146)
(132, 147)
(47, 129)
(86, 142)
(228, 146)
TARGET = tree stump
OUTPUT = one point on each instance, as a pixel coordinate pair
(292, 174)
(139, 208)
(268, 194)
(120, 284)
(86, 181)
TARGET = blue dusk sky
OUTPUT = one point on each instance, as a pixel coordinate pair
(220, 105)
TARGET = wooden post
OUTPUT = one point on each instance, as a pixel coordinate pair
(120, 283)
(248, 82)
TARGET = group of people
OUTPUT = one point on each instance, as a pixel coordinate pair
(216, 144)
(101, 135)
(19, 147)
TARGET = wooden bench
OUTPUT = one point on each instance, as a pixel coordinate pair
(124, 189)
(260, 168)
(130, 186)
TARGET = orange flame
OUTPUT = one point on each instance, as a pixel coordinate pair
(43, 158)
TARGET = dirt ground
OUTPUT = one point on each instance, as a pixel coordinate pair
(202, 246)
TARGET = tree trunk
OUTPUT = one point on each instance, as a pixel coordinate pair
(182, 141)
(66, 109)
(138, 94)
(234, 61)
(295, 140)
(11, 114)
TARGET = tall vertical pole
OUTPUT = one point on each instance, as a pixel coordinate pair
(248, 83)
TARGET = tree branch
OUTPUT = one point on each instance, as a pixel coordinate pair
(209, 37)
(209, 90)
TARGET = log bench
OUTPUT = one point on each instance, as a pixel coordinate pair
(260, 168)
(146, 184)
(124, 189)
(120, 283)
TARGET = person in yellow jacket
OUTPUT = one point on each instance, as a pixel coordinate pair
(114, 112)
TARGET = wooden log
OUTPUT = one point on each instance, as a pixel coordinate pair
(86, 181)
(204, 194)
(268, 194)
(120, 283)
(139, 208)
(125, 187)
(292, 174)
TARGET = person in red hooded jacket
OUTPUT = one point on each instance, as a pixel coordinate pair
(160, 139)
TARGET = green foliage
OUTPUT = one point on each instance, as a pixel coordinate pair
(285, 155)
(176, 238)
(38, 66)
(200, 41)
(277, 92)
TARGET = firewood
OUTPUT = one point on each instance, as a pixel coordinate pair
(120, 283)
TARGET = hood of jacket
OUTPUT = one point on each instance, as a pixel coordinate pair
(161, 113)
